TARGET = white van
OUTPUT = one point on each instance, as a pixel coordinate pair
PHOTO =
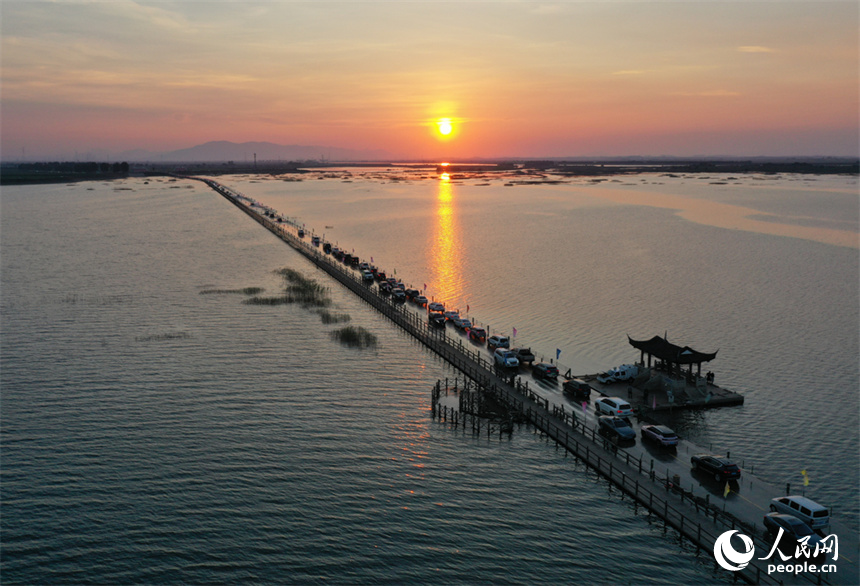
(619, 373)
(807, 510)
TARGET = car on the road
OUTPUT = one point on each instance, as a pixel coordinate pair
(615, 427)
(506, 358)
(660, 434)
(545, 370)
(525, 354)
(496, 341)
(451, 315)
(477, 334)
(613, 406)
(420, 300)
(805, 509)
(717, 466)
(435, 306)
(436, 320)
(577, 389)
(462, 323)
(794, 528)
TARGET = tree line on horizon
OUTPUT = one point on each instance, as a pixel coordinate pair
(76, 167)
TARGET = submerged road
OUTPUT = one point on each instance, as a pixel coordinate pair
(660, 479)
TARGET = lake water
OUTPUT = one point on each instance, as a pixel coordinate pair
(155, 434)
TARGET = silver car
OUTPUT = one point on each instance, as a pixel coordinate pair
(506, 358)
(660, 434)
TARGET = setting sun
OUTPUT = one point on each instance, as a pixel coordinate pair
(445, 127)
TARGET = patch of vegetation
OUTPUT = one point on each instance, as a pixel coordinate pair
(303, 290)
(245, 291)
(291, 275)
(278, 300)
(159, 337)
(333, 318)
(354, 336)
(96, 299)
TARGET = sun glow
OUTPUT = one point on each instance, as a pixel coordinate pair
(444, 126)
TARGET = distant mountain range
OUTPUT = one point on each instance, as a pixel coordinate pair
(223, 151)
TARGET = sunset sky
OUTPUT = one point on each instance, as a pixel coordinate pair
(528, 79)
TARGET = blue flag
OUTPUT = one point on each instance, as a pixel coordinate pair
(557, 353)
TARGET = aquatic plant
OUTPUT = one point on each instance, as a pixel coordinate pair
(96, 299)
(290, 274)
(333, 318)
(278, 300)
(245, 291)
(355, 336)
(303, 290)
(167, 336)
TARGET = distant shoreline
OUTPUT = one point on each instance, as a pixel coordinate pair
(11, 174)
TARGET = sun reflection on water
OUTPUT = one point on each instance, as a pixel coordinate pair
(444, 252)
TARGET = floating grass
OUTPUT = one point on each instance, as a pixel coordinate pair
(303, 290)
(159, 337)
(291, 275)
(309, 296)
(303, 300)
(278, 300)
(96, 299)
(354, 336)
(333, 318)
(245, 291)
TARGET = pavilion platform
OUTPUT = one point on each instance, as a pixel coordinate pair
(654, 391)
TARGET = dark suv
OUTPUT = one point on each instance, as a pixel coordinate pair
(616, 428)
(544, 370)
(717, 466)
(577, 389)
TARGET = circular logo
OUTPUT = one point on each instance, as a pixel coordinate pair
(728, 557)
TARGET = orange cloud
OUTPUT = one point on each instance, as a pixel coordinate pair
(755, 49)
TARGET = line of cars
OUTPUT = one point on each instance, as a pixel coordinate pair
(613, 420)
(794, 516)
(503, 355)
(395, 288)
(795, 520)
(798, 517)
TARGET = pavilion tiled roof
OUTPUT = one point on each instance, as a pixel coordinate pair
(664, 350)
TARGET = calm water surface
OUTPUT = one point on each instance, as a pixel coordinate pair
(155, 434)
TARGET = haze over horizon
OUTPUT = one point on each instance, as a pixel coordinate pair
(432, 81)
